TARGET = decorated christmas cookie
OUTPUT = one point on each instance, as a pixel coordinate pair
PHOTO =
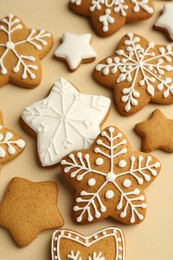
(108, 16)
(20, 52)
(110, 179)
(68, 244)
(164, 22)
(11, 144)
(75, 49)
(65, 121)
(29, 208)
(139, 72)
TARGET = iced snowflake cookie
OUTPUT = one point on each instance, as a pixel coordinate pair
(11, 144)
(139, 72)
(68, 244)
(65, 121)
(20, 52)
(75, 49)
(108, 16)
(110, 179)
(29, 208)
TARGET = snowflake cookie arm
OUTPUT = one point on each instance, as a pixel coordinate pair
(80, 6)
(139, 10)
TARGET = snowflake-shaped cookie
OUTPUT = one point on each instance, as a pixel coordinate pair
(140, 72)
(108, 16)
(110, 179)
(65, 121)
(20, 52)
(68, 244)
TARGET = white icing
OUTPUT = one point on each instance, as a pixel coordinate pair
(99, 161)
(91, 182)
(111, 145)
(87, 242)
(65, 121)
(122, 163)
(75, 48)
(153, 63)
(11, 25)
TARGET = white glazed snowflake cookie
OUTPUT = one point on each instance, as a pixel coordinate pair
(108, 16)
(140, 72)
(75, 49)
(68, 244)
(110, 179)
(20, 52)
(65, 121)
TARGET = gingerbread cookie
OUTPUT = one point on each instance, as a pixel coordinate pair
(68, 244)
(75, 49)
(156, 132)
(65, 121)
(164, 22)
(11, 144)
(108, 16)
(140, 72)
(29, 208)
(110, 179)
(20, 52)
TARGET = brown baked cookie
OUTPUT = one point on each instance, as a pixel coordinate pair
(156, 132)
(139, 72)
(108, 16)
(106, 244)
(11, 144)
(20, 52)
(29, 208)
(110, 179)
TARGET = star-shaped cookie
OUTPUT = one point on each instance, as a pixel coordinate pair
(29, 208)
(65, 121)
(164, 22)
(156, 132)
(108, 16)
(139, 71)
(75, 49)
(20, 52)
(110, 179)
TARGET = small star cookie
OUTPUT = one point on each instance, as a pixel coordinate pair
(75, 49)
(29, 208)
(110, 179)
(156, 132)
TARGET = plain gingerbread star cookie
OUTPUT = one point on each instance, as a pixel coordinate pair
(20, 52)
(108, 16)
(69, 244)
(139, 71)
(65, 121)
(156, 132)
(110, 179)
(75, 49)
(29, 208)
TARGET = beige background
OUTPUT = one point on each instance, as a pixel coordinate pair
(152, 239)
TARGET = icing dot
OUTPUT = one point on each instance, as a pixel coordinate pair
(122, 163)
(127, 183)
(99, 161)
(104, 233)
(91, 182)
(95, 236)
(109, 194)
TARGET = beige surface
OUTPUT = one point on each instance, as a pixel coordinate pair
(152, 239)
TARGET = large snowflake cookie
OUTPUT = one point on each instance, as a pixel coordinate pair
(140, 72)
(68, 244)
(20, 52)
(108, 16)
(110, 179)
(65, 121)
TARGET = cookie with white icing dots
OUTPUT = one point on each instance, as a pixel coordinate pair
(108, 16)
(11, 144)
(65, 121)
(110, 179)
(68, 244)
(139, 72)
(20, 52)
(75, 49)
